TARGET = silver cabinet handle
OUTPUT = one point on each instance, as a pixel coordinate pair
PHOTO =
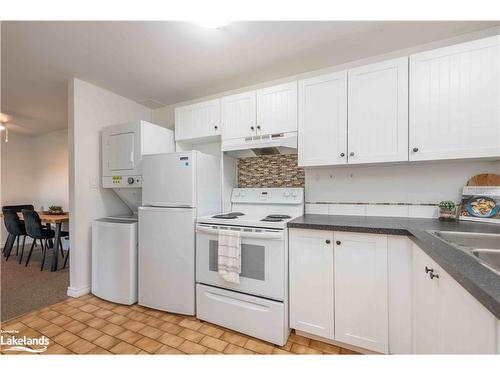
(415, 149)
(342, 154)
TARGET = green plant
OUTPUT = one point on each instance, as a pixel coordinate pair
(55, 208)
(447, 205)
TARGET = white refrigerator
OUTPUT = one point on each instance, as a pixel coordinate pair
(176, 189)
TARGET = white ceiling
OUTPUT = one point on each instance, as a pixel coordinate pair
(168, 62)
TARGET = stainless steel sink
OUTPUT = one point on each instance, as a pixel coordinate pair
(484, 247)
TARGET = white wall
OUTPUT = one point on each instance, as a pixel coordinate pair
(90, 108)
(50, 170)
(35, 170)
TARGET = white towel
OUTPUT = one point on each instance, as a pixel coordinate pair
(229, 260)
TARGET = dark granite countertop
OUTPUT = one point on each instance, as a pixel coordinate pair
(481, 282)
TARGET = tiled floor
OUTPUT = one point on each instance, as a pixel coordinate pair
(89, 325)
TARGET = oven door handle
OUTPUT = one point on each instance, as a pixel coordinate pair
(259, 235)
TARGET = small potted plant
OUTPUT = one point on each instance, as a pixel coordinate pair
(447, 211)
(55, 210)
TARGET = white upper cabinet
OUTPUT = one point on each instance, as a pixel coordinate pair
(322, 131)
(198, 121)
(378, 112)
(239, 115)
(455, 101)
(361, 290)
(311, 282)
(446, 318)
(277, 109)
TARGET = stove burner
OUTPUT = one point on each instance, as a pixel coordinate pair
(271, 219)
(225, 216)
(278, 217)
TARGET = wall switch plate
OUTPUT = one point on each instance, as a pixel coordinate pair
(93, 183)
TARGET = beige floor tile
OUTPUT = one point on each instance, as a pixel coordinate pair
(138, 316)
(103, 313)
(154, 313)
(347, 351)
(324, 347)
(191, 324)
(89, 308)
(165, 349)
(106, 341)
(98, 350)
(133, 325)
(13, 326)
(38, 323)
(51, 330)
(83, 316)
(301, 349)
(234, 349)
(57, 349)
(112, 329)
(65, 338)
(148, 344)
(48, 315)
(287, 346)
(298, 339)
(170, 340)
(124, 348)
(151, 332)
(191, 348)
(171, 328)
(234, 338)
(280, 351)
(75, 302)
(213, 343)
(74, 326)
(191, 335)
(90, 333)
(61, 320)
(129, 336)
(117, 319)
(122, 310)
(212, 352)
(210, 330)
(96, 323)
(172, 318)
(259, 347)
(153, 322)
(81, 346)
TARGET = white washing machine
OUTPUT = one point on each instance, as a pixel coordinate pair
(114, 259)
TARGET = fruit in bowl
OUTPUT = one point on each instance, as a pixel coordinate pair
(54, 210)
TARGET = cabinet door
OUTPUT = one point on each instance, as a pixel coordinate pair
(277, 109)
(206, 118)
(311, 282)
(198, 120)
(378, 112)
(426, 305)
(322, 130)
(184, 123)
(239, 115)
(455, 101)
(361, 305)
(447, 319)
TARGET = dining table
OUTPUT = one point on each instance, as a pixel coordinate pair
(52, 219)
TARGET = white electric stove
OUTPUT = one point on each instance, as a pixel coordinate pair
(258, 305)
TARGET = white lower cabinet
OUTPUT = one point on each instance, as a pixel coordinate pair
(311, 282)
(361, 316)
(446, 318)
(384, 294)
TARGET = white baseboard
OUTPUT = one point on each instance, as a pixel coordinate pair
(78, 292)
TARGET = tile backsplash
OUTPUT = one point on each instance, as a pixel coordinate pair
(270, 171)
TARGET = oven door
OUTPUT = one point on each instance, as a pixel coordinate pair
(263, 260)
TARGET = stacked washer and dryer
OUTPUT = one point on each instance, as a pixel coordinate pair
(115, 238)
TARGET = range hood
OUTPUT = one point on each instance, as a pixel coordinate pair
(271, 144)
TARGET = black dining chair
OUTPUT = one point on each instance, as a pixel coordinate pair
(15, 228)
(35, 230)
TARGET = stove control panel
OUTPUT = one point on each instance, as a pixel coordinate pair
(268, 195)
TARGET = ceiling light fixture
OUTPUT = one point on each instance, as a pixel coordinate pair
(212, 24)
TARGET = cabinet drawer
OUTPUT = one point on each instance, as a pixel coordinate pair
(258, 317)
